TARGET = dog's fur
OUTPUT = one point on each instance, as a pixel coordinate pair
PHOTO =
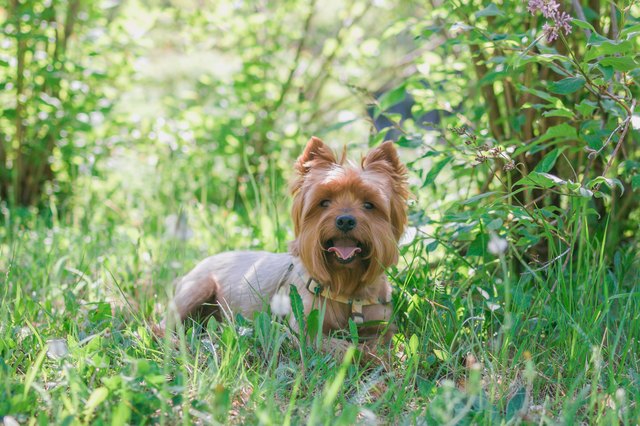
(350, 262)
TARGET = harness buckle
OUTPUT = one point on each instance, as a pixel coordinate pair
(314, 287)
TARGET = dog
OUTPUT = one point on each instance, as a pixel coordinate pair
(347, 218)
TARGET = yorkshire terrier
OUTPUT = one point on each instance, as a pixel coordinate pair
(347, 220)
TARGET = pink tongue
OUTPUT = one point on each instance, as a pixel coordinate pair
(345, 249)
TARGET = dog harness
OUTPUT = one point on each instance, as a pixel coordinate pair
(318, 290)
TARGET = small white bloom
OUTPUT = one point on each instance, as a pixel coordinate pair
(493, 306)
(280, 304)
(497, 245)
(57, 348)
(620, 395)
(10, 421)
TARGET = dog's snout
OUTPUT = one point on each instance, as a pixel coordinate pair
(345, 222)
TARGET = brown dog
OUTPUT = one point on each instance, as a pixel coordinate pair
(348, 219)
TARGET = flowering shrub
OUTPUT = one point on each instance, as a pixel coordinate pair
(542, 110)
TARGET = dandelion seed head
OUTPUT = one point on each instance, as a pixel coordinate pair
(280, 304)
(497, 245)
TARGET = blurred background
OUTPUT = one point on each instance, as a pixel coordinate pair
(161, 105)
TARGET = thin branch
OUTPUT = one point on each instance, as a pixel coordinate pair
(488, 93)
(580, 12)
(301, 44)
(623, 134)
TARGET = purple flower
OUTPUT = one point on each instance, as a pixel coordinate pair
(550, 32)
(563, 20)
(559, 21)
(547, 7)
(534, 6)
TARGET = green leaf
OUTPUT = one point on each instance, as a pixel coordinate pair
(413, 345)
(567, 85)
(610, 182)
(409, 141)
(435, 170)
(495, 224)
(558, 113)
(539, 93)
(478, 197)
(543, 180)
(607, 72)
(584, 192)
(582, 24)
(353, 331)
(516, 403)
(623, 63)
(96, 398)
(586, 108)
(553, 178)
(313, 324)
(562, 131)
(548, 161)
(635, 182)
(609, 48)
(296, 307)
(392, 97)
(477, 247)
(441, 354)
(630, 32)
(491, 10)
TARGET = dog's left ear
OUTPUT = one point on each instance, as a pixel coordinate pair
(316, 154)
(385, 159)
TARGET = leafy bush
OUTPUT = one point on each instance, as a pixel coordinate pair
(58, 65)
(536, 124)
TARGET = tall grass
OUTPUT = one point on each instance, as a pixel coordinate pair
(78, 297)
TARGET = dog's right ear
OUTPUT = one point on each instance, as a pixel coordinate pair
(316, 154)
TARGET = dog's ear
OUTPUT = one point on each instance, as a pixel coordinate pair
(385, 157)
(316, 154)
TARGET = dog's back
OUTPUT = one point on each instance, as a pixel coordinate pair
(235, 282)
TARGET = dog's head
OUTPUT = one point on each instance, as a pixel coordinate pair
(348, 218)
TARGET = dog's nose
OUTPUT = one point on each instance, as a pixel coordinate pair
(345, 222)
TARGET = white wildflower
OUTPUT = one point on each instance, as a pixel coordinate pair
(497, 246)
(280, 304)
(57, 348)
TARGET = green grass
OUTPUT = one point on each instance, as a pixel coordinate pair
(95, 282)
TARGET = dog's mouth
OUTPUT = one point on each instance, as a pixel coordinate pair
(345, 250)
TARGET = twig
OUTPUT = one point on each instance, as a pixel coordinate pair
(627, 122)
(287, 84)
(580, 12)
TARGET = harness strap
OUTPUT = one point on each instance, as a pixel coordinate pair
(356, 304)
(318, 290)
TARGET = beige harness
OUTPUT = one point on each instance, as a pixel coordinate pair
(318, 290)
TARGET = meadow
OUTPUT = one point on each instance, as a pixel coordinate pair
(138, 137)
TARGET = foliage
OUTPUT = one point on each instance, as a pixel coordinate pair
(516, 295)
(57, 78)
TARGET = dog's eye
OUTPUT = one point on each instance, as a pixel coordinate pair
(368, 206)
(325, 203)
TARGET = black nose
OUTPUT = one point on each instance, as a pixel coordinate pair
(345, 222)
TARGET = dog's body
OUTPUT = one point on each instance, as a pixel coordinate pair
(205, 291)
(347, 220)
